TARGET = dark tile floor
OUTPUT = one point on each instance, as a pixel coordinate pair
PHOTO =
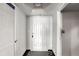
(39, 53)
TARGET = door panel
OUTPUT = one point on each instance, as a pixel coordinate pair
(40, 35)
(20, 44)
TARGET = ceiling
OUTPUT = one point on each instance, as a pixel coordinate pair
(31, 9)
(43, 5)
(72, 7)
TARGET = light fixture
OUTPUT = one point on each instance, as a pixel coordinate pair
(37, 4)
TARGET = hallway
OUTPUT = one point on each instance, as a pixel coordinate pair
(27, 26)
(39, 29)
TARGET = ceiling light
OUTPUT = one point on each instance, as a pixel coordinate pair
(37, 4)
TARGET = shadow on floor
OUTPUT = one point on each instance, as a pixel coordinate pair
(38, 53)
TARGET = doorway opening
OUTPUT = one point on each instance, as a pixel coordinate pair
(70, 30)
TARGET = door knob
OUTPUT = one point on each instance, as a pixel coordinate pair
(62, 31)
(32, 36)
(16, 41)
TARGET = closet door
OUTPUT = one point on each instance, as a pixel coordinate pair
(40, 35)
(6, 30)
(20, 32)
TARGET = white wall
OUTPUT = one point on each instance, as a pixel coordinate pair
(54, 40)
(6, 30)
(70, 42)
(20, 32)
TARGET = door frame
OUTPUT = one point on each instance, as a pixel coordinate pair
(59, 28)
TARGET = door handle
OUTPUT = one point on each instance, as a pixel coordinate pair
(62, 31)
(16, 41)
(32, 36)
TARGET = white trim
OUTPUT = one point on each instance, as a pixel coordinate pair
(15, 34)
(59, 27)
(15, 30)
(51, 31)
(59, 41)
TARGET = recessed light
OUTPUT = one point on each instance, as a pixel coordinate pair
(37, 4)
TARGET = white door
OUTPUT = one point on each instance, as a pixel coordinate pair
(41, 33)
(6, 30)
(20, 32)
